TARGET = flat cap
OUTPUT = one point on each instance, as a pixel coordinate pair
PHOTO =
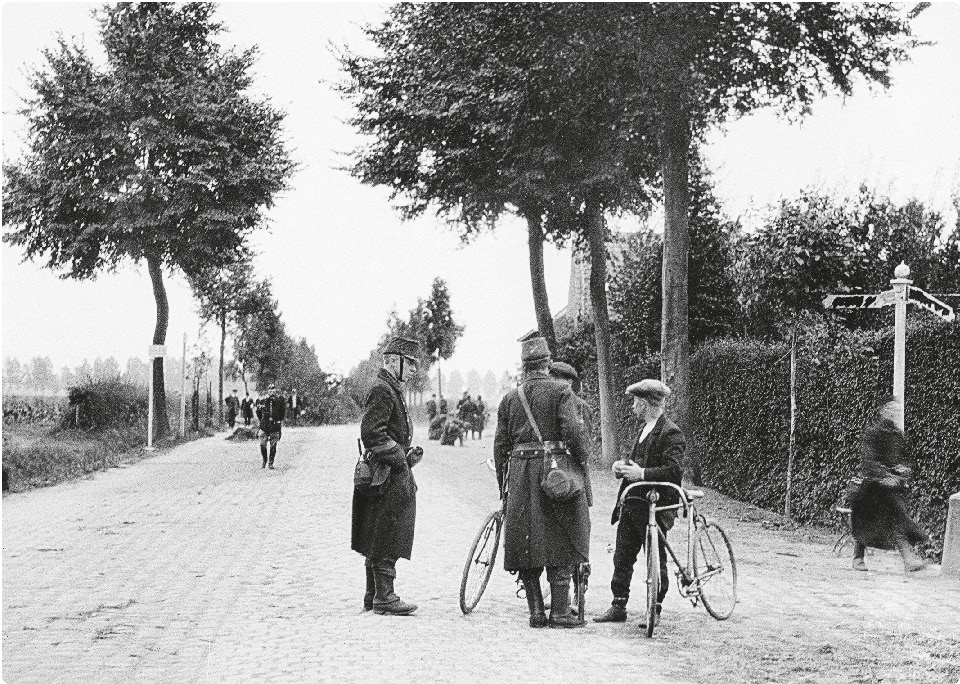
(563, 370)
(403, 346)
(649, 389)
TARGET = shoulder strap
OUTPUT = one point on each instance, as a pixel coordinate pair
(526, 408)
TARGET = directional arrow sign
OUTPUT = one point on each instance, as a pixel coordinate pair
(931, 303)
(859, 301)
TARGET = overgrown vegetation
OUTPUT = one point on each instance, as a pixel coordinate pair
(47, 440)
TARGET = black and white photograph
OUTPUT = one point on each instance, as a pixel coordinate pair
(480, 342)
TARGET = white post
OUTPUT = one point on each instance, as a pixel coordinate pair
(150, 411)
(901, 291)
(183, 390)
(787, 508)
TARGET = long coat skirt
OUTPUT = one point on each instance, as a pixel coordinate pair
(540, 532)
(384, 516)
(880, 513)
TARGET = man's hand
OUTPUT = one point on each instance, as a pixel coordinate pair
(631, 471)
(414, 456)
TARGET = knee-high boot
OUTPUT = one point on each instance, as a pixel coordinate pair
(531, 587)
(370, 591)
(560, 614)
(385, 601)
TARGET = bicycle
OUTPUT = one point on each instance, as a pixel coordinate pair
(483, 556)
(710, 572)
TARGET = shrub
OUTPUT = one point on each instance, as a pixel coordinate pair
(740, 417)
(104, 404)
(338, 409)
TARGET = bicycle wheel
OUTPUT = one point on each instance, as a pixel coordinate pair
(844, 545)
(653, 577)
(715, 570)
(479, 566)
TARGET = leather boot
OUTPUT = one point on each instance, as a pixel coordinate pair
(617, 612)
(531, 587)
(385, 601)
(371, 590)
(560, 614)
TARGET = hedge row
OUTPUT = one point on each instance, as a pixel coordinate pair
(740, 417)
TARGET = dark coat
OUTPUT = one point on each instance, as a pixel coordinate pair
(385, 515)
(661, 457)
(539, 531)
(431, 409)
(271, 412)
(233, 405)
(880, 510)
(246, 407)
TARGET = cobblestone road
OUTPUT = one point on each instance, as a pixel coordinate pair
(198, 566)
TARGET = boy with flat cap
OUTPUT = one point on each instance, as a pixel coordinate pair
(656, 457)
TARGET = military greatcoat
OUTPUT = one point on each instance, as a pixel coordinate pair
(540, 532)
(384, 515)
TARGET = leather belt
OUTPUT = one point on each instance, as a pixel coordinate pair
(528, 450)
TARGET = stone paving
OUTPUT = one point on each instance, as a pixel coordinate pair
(198, 566)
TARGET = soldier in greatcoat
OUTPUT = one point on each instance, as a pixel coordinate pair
(384, 514)
(540, 531)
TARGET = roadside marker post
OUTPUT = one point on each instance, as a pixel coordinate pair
(901, 293)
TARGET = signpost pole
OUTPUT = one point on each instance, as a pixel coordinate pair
(150, 411)
(901, 290)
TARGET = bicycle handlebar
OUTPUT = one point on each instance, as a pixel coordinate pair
(685, 501)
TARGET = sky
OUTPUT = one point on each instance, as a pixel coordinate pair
(338, 255)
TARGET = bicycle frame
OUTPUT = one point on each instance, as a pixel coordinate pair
(688, 584)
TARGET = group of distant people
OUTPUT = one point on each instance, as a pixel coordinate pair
(271, 410)
(450, 428)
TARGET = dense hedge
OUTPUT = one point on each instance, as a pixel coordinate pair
(740, 417)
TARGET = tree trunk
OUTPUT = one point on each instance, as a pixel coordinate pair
(601, 329)
(223, 344)
(541, 304)
(161, 424)
(674, 336)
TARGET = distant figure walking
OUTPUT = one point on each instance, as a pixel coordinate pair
(246, 409)
(880, 509)
(270, 412)
(233, 408)
(432, 408)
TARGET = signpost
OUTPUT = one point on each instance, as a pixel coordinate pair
(154, 351)
(901, 293)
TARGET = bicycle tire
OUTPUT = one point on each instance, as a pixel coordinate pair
(480, 562)
(844, 545)
(652, 545)
(715, 570)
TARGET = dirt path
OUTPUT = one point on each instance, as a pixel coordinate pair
(198, 566)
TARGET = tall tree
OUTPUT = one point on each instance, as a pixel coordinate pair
(704, 63)
(221, 293)
(159, 157)
(477, 107)
(442, 331)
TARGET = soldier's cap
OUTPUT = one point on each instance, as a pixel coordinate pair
(533, 347)
(403, 346)
(649, 389)
(560, 369)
